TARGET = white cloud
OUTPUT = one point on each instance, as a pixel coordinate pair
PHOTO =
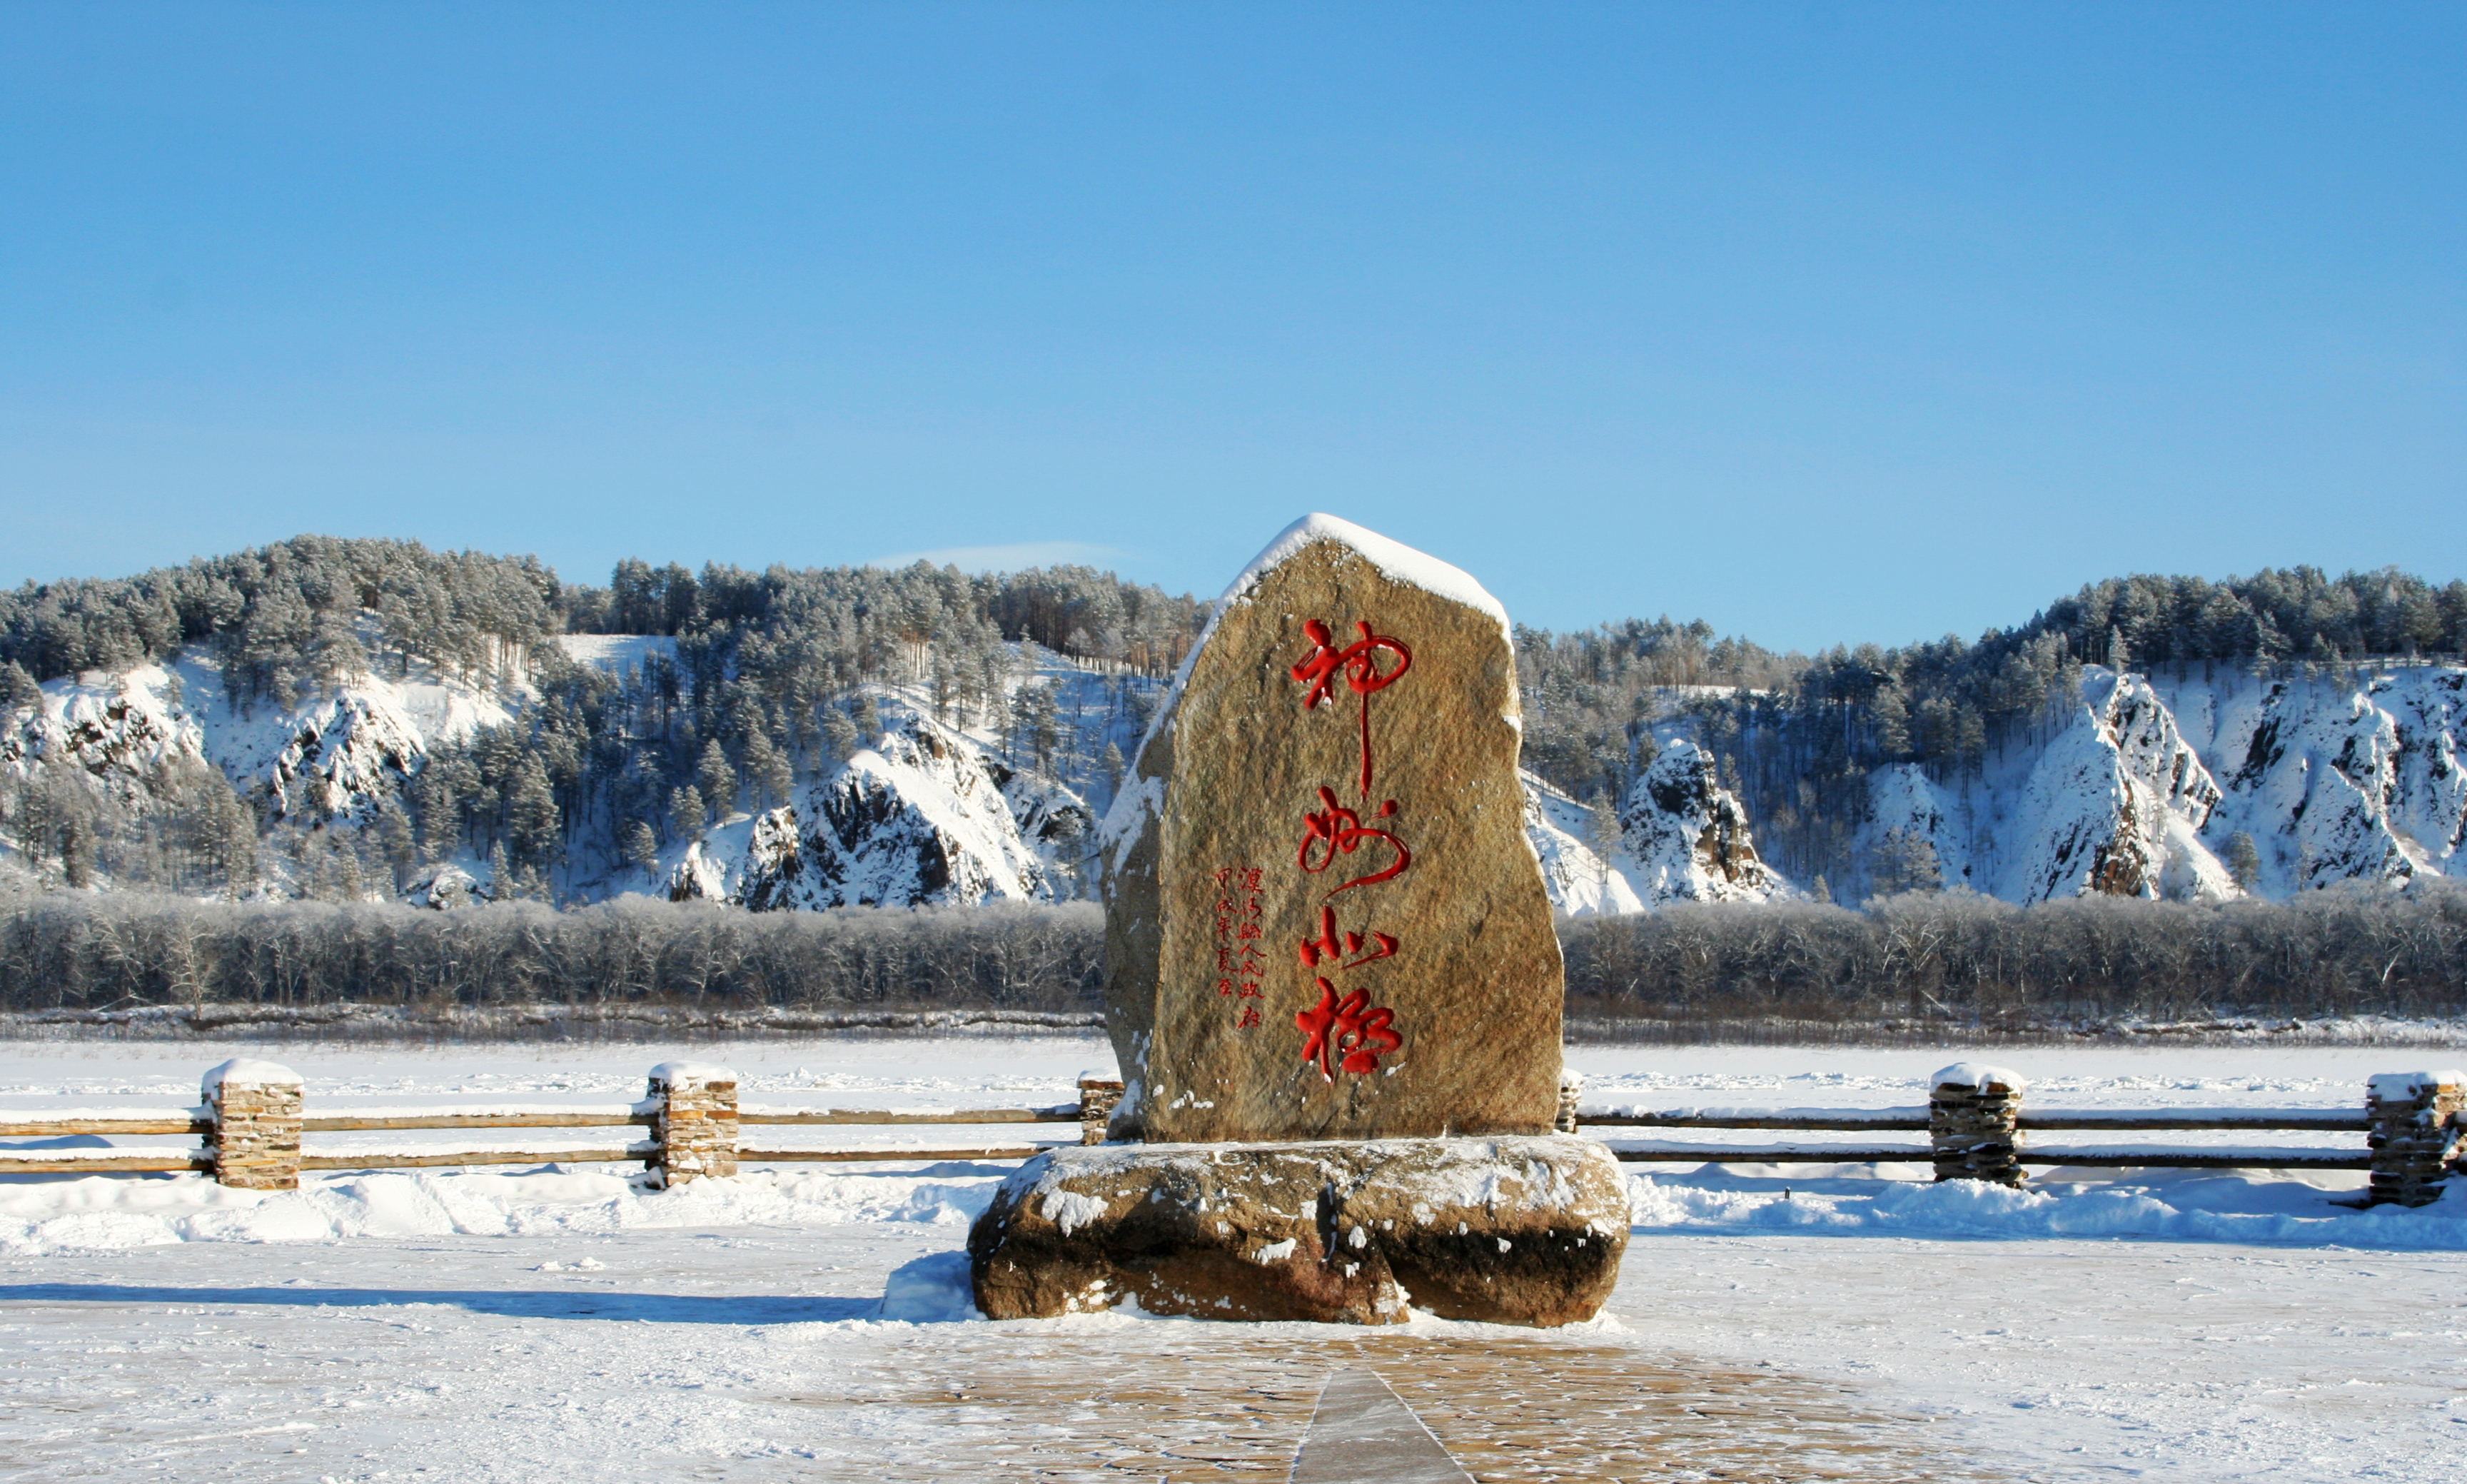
(1006, 558)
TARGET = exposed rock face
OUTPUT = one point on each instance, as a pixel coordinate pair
(1323, 917)
(336, 755)
(342, 754)
(2115, 805)
(1508, 1231)
(1690, 836)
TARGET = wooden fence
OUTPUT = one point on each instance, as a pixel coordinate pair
(1976, 1127)
(251, 1124)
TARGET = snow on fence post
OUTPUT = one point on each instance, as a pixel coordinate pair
(2414, 1134)
(1099, 1094)
(1972, 1110)
(255, 1112)
(693, 1122)
(1572, 1086)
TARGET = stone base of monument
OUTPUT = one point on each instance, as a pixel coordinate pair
(1511, 1230)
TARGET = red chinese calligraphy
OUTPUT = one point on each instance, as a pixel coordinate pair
(1346, 1032)
(1327, 946)
(1336, 831)
(1238, 910)
(1359, 661)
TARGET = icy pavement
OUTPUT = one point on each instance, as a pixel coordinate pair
(1802, 1323)
(756, 1355)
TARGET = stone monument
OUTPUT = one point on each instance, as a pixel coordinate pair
(1332, 984)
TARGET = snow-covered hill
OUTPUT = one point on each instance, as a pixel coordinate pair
(926, 815)
(2184, 786)
(336, 753)
(2155, 782)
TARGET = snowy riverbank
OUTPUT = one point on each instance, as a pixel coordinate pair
(488, 1325)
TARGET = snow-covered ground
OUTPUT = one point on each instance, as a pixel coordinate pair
(806, 1322)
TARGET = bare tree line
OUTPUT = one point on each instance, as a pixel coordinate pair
(1956, 960)
(73, 951)
(1921, 964)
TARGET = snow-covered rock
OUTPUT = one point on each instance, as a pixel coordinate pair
(338, 753)
(444, 888)
(2337, 782)
(2115, 806)
(926, 815)
(342, 751)
(119, 730)
(1689, 836)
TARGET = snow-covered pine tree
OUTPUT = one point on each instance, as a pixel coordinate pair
(716, 780)
(686, 813)
(17, 687)
(639, 847)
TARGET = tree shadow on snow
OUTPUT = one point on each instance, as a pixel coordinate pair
(532, 1304)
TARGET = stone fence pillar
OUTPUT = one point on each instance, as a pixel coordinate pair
(2414, 1134)
(255, 1138)
(1100, 1093)
(1572, 1086)
(693, 1122)
(1972, 1110)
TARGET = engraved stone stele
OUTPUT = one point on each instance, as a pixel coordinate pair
(1324, 918)
(1332, 984)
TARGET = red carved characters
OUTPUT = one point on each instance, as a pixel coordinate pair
(1336, 830)
(1360, 663)
(1326, 947)
(1347, 1031)
(1240, 967)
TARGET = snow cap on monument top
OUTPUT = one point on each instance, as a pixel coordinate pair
(1979, 1074)
(242, 1072)
(1400, 562)
(679, 1074)
(2400, 1086)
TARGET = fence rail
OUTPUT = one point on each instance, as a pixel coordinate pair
(1975, 1126)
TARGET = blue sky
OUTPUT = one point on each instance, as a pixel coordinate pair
(1823, 322)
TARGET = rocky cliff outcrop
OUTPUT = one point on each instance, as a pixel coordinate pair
(118, 732)
(2115, 806)
(923, 816)
(2340, 782)
(337, 754)
(1689, 836)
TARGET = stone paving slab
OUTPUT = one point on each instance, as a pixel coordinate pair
(1362, 1433)
(1190, 1403)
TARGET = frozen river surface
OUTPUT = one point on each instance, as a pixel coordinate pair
(1772, 1322)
